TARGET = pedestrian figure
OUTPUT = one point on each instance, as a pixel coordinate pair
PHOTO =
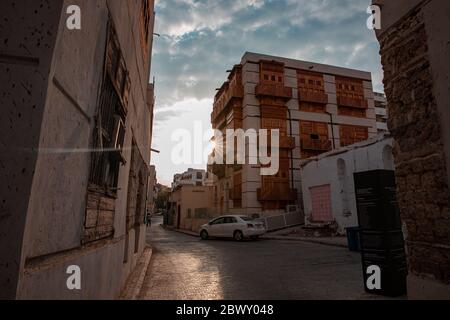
(149, 219)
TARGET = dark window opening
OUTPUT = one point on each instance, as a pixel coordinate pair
(109, 131)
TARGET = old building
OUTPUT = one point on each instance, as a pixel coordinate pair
(315, 107)
(328, 185)
(415, 53)
(75, 141)
(381, 111)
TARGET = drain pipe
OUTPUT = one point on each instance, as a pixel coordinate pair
(291, 152)
(332, 129)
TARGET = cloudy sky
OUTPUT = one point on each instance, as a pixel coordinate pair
(201, 39)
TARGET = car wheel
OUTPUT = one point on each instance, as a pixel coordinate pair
(204, 235)
(238, 236)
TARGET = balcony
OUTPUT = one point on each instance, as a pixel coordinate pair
(307, 96)
(269, 90)
(352, 102)
(280, 193)
(223, 101)
(316, 144)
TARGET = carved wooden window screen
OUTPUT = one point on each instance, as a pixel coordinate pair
(353, 134)
(272, 73)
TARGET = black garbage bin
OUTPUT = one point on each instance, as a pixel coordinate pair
(353, 239)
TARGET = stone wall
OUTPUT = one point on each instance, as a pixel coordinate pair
(415, 124)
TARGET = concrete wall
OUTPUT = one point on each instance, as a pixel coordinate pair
(336, 169)
(415, 52)
(192, 198)
(25, 58)
(57, 199)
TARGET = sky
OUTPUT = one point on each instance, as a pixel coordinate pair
(202, 39)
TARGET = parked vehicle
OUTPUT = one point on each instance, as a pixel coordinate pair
(233, 226)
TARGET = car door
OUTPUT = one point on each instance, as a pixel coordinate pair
(216, 228)
(230, 225)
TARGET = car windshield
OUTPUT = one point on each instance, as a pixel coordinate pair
(246, 218)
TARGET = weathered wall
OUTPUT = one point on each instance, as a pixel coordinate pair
(55, 209)
(415, 51)
(328, 169)
(25, 56)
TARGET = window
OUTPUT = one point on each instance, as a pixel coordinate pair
(218, 221)
(146, 18)
(353, 134)
(199, 175)
(230, 220)
(272, 73)
(109, 132)
(311, 92)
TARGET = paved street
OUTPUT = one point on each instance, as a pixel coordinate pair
(184, 267)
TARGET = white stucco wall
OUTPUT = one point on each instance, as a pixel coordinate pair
(373, 154)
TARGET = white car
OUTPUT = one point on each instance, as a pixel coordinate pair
(236, 227)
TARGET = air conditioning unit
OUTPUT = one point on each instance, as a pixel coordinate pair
(292, 208)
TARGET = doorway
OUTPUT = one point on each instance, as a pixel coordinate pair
(321, 203)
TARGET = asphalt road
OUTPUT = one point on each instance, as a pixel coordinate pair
(186, 268)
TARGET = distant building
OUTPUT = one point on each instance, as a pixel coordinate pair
(381, 111)
(191, 206)
(327, 181)
(315, 107)
(67, 92)
(192, 177)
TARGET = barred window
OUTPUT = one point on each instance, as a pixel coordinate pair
(109, 130)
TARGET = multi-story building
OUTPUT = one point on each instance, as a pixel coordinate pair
(315, 107)
(75, 145)
(192, 177)
(381, 111)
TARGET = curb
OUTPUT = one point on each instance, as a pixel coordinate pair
(189, 233)
(316, 241)
(133, 285)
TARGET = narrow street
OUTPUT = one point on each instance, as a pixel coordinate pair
(184, 267)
